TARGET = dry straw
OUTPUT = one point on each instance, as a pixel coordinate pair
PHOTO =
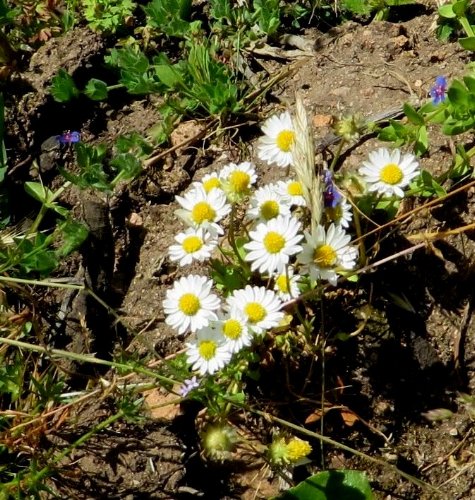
(304, 163)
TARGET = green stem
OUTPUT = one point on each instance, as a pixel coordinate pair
(337, 155)
(268, 417)
(44, 207)
(359, 234)
(232, 239)
(86, 358)
(466, 26)
(52, 284)
(116, 86)
(84, 438)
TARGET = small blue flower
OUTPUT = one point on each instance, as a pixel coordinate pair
(439, 91)
(69, 137)
(188, 386)
(331, 196)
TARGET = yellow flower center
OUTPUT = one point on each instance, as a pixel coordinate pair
(255, 312)
(335, 213)
(282, 283)
(207, 349)
(211, 183)
(295, 188)
(297, 449)
(273, 242)
(202, 212)
(391, 174)
(232, 329)
(285, 140)
(324, 256)
(239, 181)
(192, 244)
(189, 304)
(269, 209)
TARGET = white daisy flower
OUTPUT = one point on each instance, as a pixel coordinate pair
(209, 182)
(234, 328)
(292, 189)
(325, 252)
(277, 143)
(236, 180)
(272, 243)
(341, 214)
(202, 209)
(387, 172)
(190, 305)
(207, 352)
(266, 203)
(260, 306)
(286, 284)
(193, 244)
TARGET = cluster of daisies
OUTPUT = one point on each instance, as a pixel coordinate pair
(279, 248)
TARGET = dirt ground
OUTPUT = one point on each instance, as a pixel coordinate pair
(406, 361)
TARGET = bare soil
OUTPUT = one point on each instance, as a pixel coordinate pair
(408, 359)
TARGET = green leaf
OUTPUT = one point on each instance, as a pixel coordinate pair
(331, 485)
(447, 11)
(37, 257)
(168, 75)
(457, 94)
(460, 8)
(39, 192)
(358, 7)
(74, 234)
(422, 141)
(454, 127)
(470, 83)
(395, 132)
(413, 116)
(127, 165)
(63, 88)
(468, 43)
(461, 166)
(171, 17)
(425, 185)
(96, 89)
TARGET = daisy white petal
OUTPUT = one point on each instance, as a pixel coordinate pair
(202, 209)
(260, 306)
(190, 305)
(292, 189)
(388, 172)
(193, 244)
(272, 243)
(267, 203)
(278, 141)
(207, 352)
(325, 252)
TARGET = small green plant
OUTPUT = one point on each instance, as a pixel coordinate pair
(462, 13)
(108, 15)
(98, 172)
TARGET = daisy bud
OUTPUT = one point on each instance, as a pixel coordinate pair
(350, 127)
(218, 441)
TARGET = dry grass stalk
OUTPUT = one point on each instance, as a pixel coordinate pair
(304, 163)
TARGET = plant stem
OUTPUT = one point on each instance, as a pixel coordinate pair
(231, 237)
(86, 358)
(268, 417)
(337, 155)
(85, 437)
